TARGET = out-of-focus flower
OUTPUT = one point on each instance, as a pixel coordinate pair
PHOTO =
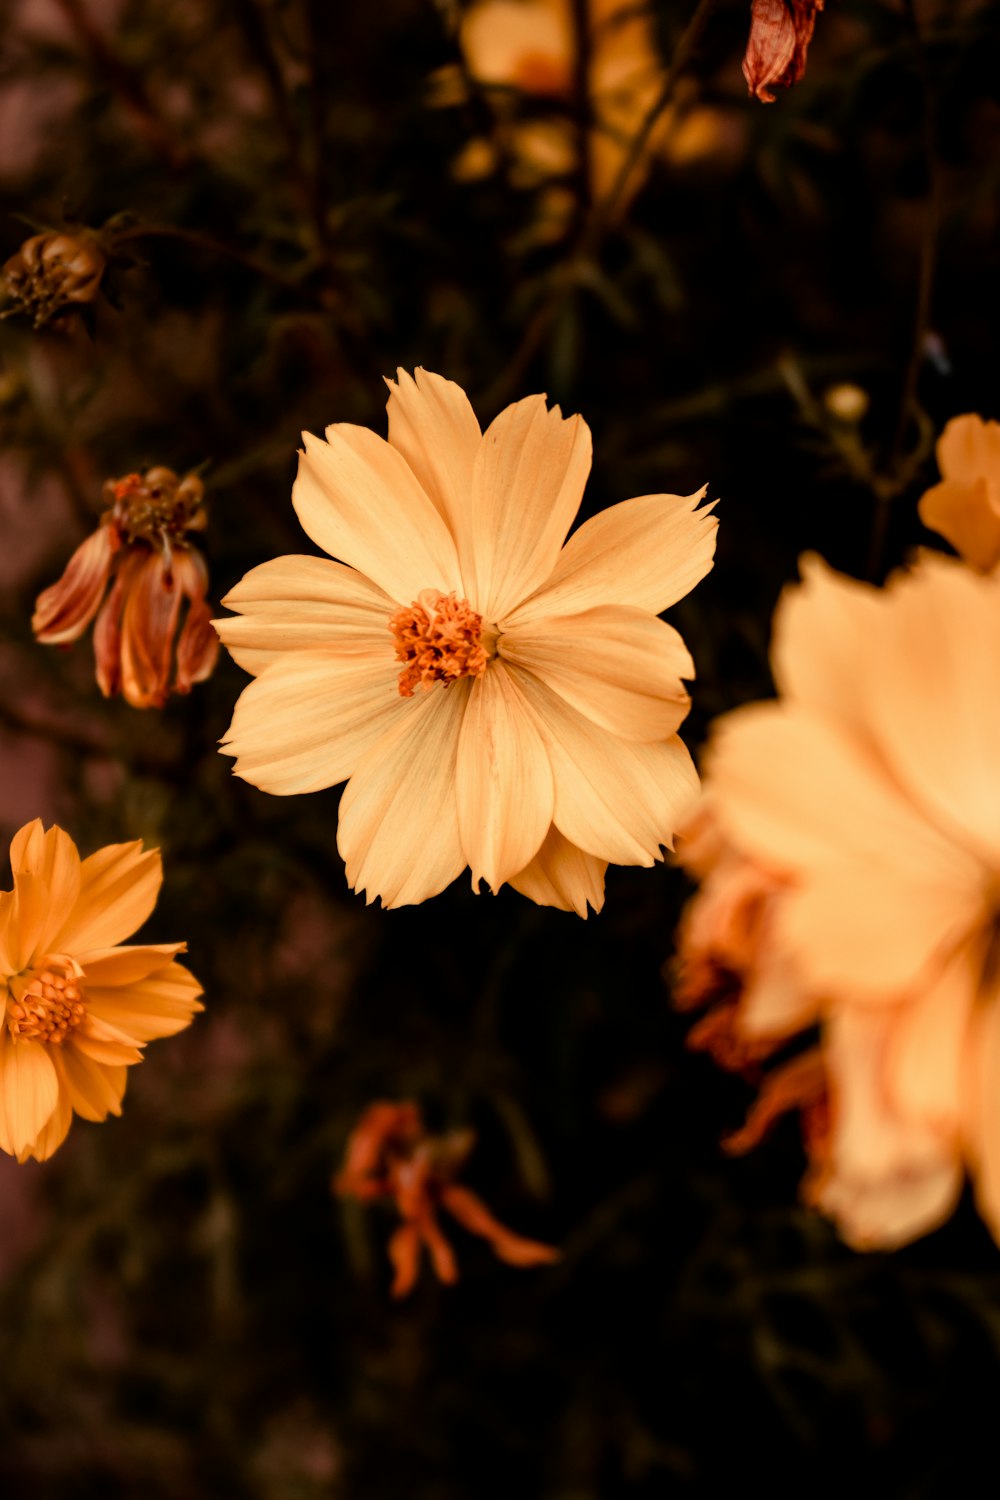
(153, 635)
(51, 272)
(846, 402)
(965, 507)
(522, 50)
(78, 1008)
(497, 699)
(390, 1156)
(780, 33)
(863, 806)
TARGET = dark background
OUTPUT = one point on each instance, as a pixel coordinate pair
(187, 1310)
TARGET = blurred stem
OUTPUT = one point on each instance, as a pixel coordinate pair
(897, 464)
(124, 81)
(582, 107)
(201, 242)
(601, 218)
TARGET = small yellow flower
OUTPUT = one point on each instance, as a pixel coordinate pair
(77, 1008)
(496, 698)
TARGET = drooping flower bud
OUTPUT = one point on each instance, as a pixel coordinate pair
(52, 271)
(780, 33)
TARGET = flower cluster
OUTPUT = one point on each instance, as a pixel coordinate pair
(543, 743)
(390, 1156)
(153, 633)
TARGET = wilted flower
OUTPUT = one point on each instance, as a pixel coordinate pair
(866, 800)
(496, 699)
(780, 33)
(78, 1009)
(147, 644)
(391, 1156)
(52, 271)
(965, 507)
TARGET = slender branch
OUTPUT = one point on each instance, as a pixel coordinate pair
(201, 242)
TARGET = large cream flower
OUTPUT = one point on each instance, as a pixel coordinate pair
(76, 1008)
(497, 700)
(870, 793)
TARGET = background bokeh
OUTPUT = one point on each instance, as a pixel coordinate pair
(188, 1312)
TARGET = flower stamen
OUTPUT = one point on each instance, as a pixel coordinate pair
(439, 638)
(46, 1004)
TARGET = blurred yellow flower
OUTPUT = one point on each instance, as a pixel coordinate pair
(497, 699)
(965, 507)
(78, 1008)
(856, 883)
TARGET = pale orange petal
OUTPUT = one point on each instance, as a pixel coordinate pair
(101, 1043)
(966, 515)
(504, 780)
(53, 1132)
(9, 956)
(563, 876)
(646, 553)
(298, 603)
(28, 920)
(52, 859)
(432, 424)
(615, 799)
(63, 611)
(119, 887)
(925, 1053)
(527, 484)
(621, 667)
(94, 1089)
(29, 1092)
(933, 700)
(982, 1122)
(820, 641)
(120, 966)
(969, 449)
(398, 831)
(358, 499)
(310, 718)
(890, 1179)
(197, 647)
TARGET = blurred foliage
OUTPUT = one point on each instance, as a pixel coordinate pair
(188, 1310)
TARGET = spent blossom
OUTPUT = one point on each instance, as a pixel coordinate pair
(152, 633)
(493, 697)
(51, 272)
(852, 887)
(780, 33)
(391, 1157)
(76, 1007)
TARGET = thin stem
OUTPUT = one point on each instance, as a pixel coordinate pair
(201, 242)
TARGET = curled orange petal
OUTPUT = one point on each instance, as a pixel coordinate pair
(65, 609)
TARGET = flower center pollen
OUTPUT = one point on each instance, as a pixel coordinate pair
(439, 638)
(45, 1004)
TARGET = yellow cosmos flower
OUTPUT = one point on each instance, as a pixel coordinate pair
(497, 699)
(76, 1009)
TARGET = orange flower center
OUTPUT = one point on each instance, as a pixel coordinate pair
(155, 507)
(45, 1004)
(439, 638)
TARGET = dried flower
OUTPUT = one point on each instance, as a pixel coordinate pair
(390, 1156)
(496, 699)
(965, 507)
(780, 33)
(52, 271)
(146, 646)
(868, 793)
(78, 1009)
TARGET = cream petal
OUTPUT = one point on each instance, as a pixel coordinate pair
(647, 552)
(29, 1092)
(527, 484)
(307, 722)
(925, 1056)
(298, 603)
(619, 666)
(398, 831)
(53, 860)
(793, 791)
(563, 876)
(932, 700)
(358, 499)
(616, 800)
(94, 1089)
(819, 641)
(119, 887)
(159, 1006)
(504, 780)
(432, 424)
(890, 1179)
(969, 449)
